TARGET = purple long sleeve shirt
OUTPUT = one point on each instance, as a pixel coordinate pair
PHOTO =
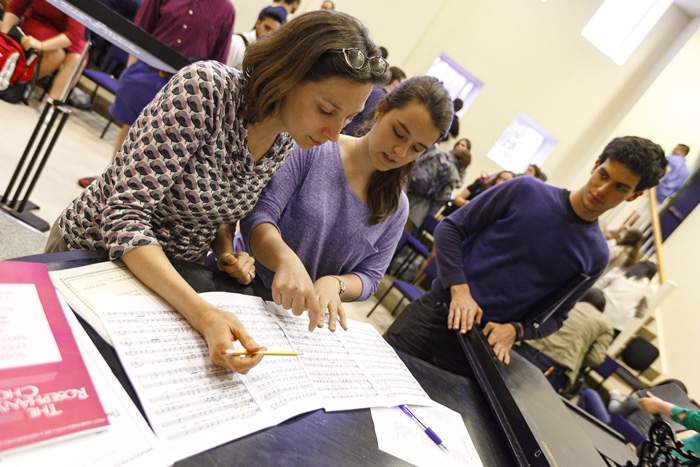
(318, 215)
(198, 29)
(674, 179)
(514, 245)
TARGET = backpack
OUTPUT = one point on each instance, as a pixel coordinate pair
(432, 172)
(18, 68)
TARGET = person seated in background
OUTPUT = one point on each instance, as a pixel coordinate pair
(633, 412)
(535, 171)
(362, 122)
(286, 7)
(582, 341)
(626, 292)
(515, 247)
(479, 186)
(328, 5)
(435, 175)
(686, 417)
(463, 143)
(59, 39)
(624, 247)
(268, 20)
(325, 228)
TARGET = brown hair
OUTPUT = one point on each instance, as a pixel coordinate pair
(298, 52)
(463, 158)
(492, 180)
(633, 239)
(384, 188)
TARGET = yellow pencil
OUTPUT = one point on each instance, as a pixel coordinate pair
(286, 353)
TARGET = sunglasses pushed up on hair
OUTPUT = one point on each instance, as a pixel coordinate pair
(357, 60)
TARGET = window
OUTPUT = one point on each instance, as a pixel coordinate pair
(523, 142)
(458, 81)
(619, 26)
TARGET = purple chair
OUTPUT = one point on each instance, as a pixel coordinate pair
(114, 60)
(410, 291)
(417, 249)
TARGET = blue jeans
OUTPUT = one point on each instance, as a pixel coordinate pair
(557, 377)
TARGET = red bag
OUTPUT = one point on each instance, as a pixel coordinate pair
(18, 70)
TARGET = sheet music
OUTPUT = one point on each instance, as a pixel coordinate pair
(194, 405)
(128, 441)
(108, 278)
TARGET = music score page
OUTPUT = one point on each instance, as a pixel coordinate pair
(193, 405)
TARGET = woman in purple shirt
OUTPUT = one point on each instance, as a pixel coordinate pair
(327, 224)
(200, 153)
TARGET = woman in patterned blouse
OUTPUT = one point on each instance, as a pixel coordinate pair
(197, 157)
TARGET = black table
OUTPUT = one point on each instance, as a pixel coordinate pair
(500, 409)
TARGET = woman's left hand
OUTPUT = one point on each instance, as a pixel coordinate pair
(328, 292)
(239, 265)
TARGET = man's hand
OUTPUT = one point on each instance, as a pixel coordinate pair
(464, 311)
(501, 337)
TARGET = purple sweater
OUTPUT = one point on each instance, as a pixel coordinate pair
(516, 244)
(311, 203)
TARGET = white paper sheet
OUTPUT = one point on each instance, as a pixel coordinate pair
(25, 335)
(108, 278)
(194, 405)
(128, 441)
(400, 436)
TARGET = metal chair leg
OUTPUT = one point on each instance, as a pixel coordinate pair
(111, 119)
(380, 300)
(406, 264)
(393, 312)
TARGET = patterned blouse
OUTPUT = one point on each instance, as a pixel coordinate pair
(183, 171)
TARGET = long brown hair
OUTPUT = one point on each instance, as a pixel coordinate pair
(384, 188)
(298, 52)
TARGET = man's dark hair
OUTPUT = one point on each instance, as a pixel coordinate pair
(641, 156)
(384, 52)
(595, 297)
(396, 73)
(457, 104)
(270, 12)
(686, 147)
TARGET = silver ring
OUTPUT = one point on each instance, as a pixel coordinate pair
(251, 274)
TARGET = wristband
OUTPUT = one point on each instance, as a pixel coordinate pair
(342, 285)
(518, 331)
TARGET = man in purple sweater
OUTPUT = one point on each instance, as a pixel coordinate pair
(507, 252)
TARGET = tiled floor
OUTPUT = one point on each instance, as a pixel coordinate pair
(80, 152)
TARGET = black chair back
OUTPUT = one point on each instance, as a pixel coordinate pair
(639, 354)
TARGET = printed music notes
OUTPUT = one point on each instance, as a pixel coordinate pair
(193, 405)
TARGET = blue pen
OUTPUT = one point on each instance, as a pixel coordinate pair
(428, 431)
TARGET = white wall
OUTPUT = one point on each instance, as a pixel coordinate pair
(531, 57)
(529, 54)
(678, 319)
